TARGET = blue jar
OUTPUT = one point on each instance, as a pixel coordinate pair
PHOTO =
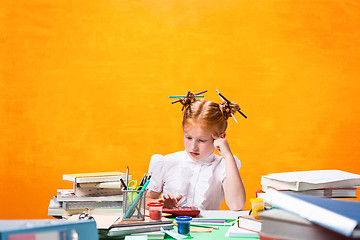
(183, 224)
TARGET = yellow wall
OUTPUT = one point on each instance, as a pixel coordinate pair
(84, 86)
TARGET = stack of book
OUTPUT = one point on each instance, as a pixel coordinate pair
(319, 183)
(96, 191)
(298, 216)
(147, 228)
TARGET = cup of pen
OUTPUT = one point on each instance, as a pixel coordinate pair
(134, 204)
(183, 224)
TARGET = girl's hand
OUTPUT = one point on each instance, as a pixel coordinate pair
(222, 145)
(170, 200)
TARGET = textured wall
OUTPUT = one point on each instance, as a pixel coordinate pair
(84, 86)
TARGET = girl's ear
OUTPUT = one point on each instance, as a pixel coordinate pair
(222, 135)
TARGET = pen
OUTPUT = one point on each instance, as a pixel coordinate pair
(181, 96)
(127, 175)
(235, 221)
(143, 180)
(148, 177)
(122, 182)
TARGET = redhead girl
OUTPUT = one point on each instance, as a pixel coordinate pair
(197, 176)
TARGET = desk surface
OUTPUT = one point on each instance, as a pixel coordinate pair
(216, 233)
(221, 214)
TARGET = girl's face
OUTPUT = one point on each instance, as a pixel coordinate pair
(199, 144)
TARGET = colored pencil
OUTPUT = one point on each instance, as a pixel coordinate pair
(181, 96)
(224, 98)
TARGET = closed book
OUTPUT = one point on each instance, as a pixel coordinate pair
(327, 192)
(341, 216)
(69, 196)
(90, 204)
(94, 177)
(280, 224)
(94, 190)
(56, 210)
(125, 227)
(249, 222)
(235, 231)
(305, 180)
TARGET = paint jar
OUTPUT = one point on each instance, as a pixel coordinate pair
(155, 210)
(257, 205)
(183, 224)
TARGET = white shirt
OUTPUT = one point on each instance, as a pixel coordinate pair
(199, 183)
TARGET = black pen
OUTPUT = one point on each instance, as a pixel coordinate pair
(148, 177)
(142, 182)
(122, 182)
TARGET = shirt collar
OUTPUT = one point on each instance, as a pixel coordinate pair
(207, 160)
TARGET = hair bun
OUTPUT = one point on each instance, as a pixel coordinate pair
(189, 99)
(227, 109)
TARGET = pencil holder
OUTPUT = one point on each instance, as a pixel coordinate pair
(134, 205)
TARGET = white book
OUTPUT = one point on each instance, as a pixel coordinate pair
(305, 180)
(55, 209)
(68, 195)
(95, 177)
(235, 231)
(249, 222)
(327, 192)
(93, 189)
(93, 204)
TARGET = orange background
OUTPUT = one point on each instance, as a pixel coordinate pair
(84, 86)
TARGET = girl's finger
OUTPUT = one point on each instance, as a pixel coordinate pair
(171, 196)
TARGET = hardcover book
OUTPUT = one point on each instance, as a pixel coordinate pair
(94, 177)
(341, 216)
(305, 180)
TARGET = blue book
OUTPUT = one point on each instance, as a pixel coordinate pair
(342, 216)
(48, 229)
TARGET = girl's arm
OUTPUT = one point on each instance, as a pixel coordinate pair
(235, 195)
(151, 196)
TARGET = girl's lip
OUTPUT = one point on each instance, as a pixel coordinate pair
(194, 154)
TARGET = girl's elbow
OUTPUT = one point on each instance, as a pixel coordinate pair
(237, 205)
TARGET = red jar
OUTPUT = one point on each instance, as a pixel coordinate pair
(155, 210)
